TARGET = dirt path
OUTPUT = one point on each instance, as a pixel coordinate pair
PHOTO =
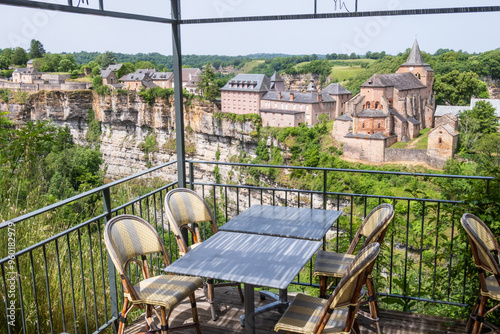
(412, 144)
(407, 163)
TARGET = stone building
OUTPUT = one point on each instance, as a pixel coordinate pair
(138, 79)
(242, 94)
(389, 108)
(442, 143)
(108, 77)
(163, 79)
(449, 119)
(340, 95)
(26, 75)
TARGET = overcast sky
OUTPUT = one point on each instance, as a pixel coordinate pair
(61, 32)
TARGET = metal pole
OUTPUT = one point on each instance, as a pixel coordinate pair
(179, 113)
(113, 292)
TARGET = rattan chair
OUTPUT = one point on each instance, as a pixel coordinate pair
(485, 250)
(311, 315)
(128, 238)
(186, 210)
(330, 264)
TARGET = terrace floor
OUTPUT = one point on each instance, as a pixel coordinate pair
(231, 307)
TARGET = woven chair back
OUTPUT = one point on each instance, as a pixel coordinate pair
(483, 242)
(187, 207)
(373, 227)
(127, 237)
(349, 287)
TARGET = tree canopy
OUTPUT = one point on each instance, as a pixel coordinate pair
(36, 49)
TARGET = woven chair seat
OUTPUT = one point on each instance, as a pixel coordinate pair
(305, 311)
(332, 264)
(165, 290)
(493, 288)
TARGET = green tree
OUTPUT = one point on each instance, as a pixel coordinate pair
(36, 49)
(106, 59)
(475, 123)
(65, 65)
(457, 88)
(207, 84)
(19, 57)
(125, 69)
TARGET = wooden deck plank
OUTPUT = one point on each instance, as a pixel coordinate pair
(230, 308)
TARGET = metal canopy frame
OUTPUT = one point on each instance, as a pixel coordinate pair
(175, 21)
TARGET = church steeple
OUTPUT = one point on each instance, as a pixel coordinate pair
(415, 56)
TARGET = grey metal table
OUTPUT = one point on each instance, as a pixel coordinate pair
(255, 260)
(301, 223)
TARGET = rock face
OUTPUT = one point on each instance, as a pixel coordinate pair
(127, 120)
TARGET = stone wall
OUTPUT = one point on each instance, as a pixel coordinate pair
(402, 154)
(23, 87)
(364, 149)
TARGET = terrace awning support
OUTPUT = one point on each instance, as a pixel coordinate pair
(179, 112)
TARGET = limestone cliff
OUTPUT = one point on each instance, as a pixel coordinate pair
(127, 120)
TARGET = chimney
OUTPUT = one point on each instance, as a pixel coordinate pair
(320, 98)
(291, 96)
(279, 95)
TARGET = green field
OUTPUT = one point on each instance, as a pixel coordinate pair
(419, 143)
(250, 65)
(344, 69)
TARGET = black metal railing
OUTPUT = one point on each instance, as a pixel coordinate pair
(64, 281)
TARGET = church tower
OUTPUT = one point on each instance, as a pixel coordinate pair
(415, 65)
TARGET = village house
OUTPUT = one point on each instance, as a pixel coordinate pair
(138, 79)
(442, 142)
(29, 64)
(389, 108)
(149, 78)
(163, 79)
(443, 110)
(242, 94)
(26, 75)
(114, 67)
(108, 77)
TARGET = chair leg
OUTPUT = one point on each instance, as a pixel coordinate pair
(194, 311)
(210, 296)
(470, 323)
(372, 301)
(323, 280)
(478, 323)
(241, 293)
(355, 326)
(121, 326)
(163, 320)
(148, 317)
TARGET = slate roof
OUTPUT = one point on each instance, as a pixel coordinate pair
(372, 113)
(376, 135)
(114, 67)
(276, 77)
(118, 85)
(494, 102)
(149, 84)
(25, 70)
(400, 81)
(398, 115)
(415, 57)
(255, 83)
(413, 120)
(106, 73)
(29, 62)
(454, 110)
(344, 117)
(446, 127)
(189, 73)
(148, 71)
(311, 97)
(135, 77)
(335, 89)
(281, 111)
(161, 75)
(311, 87)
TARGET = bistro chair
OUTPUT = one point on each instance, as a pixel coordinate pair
(185, 211)
(485, 250)
(129, 237)
(311, 315)
(330, 264)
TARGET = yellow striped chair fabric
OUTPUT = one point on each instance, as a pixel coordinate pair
(306, 313)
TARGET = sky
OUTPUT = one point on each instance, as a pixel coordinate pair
(65, 32)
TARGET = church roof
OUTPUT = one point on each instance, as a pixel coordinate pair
(442, 110)
(400, 81)
(372, 113)
(415, 57)
(335, 89)
(344, 117)
(447, 128)
(310, 97)
(376, 135)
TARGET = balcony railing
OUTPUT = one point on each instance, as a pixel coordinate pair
(56, 276)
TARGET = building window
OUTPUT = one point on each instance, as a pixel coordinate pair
(440, 141)
(363, 125)
(367, 105)
(376, 105)
(379, 125)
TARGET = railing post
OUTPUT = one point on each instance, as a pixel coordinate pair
(324, 189)
(113, 292)
(191, 175)
(178, 96)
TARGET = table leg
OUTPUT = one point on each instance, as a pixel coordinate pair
(281, 304)
(249, 317)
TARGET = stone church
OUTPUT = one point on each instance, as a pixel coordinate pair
(389, 108)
